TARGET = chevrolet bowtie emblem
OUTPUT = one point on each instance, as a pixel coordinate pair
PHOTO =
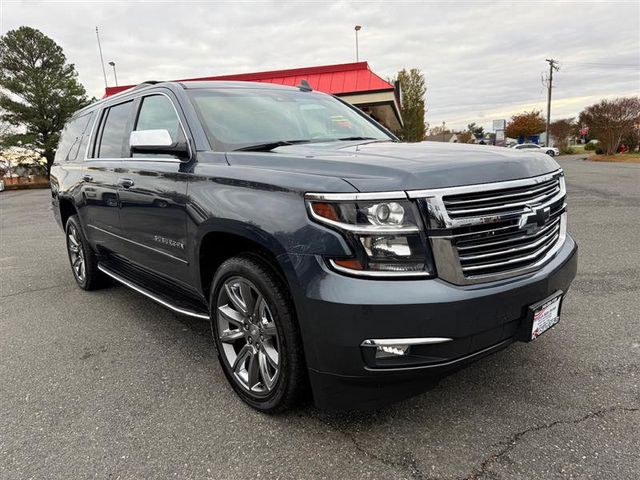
(534, 220)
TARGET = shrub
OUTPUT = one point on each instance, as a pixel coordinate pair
(590, 146)
(567, 150)
(599, 151)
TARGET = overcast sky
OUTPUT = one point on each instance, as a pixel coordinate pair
(482, 60)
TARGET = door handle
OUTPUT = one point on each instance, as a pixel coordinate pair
(125, 183)
(87, 178)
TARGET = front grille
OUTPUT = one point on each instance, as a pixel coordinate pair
(488, 232)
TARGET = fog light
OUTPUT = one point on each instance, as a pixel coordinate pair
(386, 351)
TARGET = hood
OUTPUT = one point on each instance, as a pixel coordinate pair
(384, 166)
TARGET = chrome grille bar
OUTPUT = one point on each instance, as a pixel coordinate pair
(488, 232)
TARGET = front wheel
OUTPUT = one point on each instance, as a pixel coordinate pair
(255, 332)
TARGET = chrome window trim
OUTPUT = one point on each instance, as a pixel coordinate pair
(133, 98)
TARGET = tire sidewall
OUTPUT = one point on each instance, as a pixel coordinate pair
(72, 222)
(255, 270)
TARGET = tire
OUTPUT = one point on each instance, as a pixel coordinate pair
(257, 342)
(551, 153)
(82, 258)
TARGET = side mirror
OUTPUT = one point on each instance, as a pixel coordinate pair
(157, 142)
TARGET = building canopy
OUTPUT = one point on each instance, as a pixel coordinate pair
(353, 82)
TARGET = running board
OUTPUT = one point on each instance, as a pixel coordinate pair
(153, 296)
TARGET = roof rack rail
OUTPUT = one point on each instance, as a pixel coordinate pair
(148, 82)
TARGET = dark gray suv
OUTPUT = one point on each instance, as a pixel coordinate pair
(323, 252)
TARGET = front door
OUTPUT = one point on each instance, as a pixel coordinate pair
(152, 193)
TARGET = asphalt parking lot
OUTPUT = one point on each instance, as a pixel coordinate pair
(108, 384)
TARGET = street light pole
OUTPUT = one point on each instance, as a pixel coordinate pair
(113, 64)
(357, 29)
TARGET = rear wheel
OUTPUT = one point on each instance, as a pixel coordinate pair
(83, 260)
(253, 325)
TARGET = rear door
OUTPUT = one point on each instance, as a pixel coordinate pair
(100, 175)
(152, 189)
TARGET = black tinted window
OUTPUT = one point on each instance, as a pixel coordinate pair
(114, 131)
(157, 112)
(71, 137)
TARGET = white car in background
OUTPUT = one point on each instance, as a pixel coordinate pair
(552, 151)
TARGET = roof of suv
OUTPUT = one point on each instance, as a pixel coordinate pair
(191, 85)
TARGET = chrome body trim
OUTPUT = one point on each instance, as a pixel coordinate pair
(150, 295)
(138, 244)
(382, 342)
(471, 261)
(351, 197)
(378, 274)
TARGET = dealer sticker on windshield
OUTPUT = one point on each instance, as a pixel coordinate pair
(545, 315)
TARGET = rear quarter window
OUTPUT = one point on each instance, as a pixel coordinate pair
(72, 137)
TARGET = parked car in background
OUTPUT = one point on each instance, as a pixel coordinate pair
(322, 251)
(552, 151)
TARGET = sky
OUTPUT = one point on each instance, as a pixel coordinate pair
(481, 60)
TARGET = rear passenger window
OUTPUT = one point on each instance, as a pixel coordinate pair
(71, 138)
(157, 112)
(115, 130)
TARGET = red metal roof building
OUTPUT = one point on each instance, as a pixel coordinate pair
(353, 82)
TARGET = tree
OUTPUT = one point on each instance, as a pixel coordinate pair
(413, 87)
(476, 130)
(525, 125)
(439, 130)
(560, 130)
(464, 136)
(40, 90)
(611, 120)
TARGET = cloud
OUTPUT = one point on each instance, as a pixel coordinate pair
(481, 61)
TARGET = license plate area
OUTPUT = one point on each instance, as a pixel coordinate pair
(542, 316)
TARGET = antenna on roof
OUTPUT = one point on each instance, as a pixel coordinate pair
(304, 86)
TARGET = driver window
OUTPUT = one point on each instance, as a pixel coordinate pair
(157, 112)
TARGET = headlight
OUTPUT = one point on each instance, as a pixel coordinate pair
(383, 230)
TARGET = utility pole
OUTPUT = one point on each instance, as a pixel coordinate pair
(552, 66)
(357, 29)
(104, 72)
(443, 130)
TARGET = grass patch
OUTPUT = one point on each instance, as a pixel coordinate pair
(630, 157)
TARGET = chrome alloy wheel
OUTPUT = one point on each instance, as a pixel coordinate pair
(248, 336)
(76, 253)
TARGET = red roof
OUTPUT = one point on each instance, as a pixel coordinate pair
(335, 79)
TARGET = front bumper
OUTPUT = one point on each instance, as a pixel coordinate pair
(337, 313)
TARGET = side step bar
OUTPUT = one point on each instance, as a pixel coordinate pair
(150, 295)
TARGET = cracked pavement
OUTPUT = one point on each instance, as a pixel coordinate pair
(109, 384)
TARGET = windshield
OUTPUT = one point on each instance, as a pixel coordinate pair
(237, 118)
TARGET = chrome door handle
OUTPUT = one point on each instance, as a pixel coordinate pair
(125, 183)
(87, 178)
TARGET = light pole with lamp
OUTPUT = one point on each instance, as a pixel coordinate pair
(357, 29)
(113, 64)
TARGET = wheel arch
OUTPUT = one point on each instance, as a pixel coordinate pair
(67, 208)
(219, 242)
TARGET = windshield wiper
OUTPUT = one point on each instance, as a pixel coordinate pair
(347, 139)
(265, 147)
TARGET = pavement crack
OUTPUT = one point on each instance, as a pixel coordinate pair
(505, 447)
(406, 463)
